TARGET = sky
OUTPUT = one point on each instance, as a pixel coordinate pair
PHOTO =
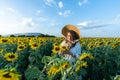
(94, 18)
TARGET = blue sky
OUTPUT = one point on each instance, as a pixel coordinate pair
(94, 18)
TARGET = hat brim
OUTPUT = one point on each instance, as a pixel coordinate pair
(70, 27)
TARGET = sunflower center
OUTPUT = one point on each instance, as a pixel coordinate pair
(7, 75)
(41, 42)
(63, 47)
(1, 50)
(101, 43)
(4, 40)
(21, 47)
(57, 48)
(56, 44)
(108, 43)
(35, 45)
(19, 42)
(91, 46)
(11, 56)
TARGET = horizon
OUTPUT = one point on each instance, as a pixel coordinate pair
(93, 18)
(17, 34)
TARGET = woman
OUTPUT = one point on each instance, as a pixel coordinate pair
(72, 36)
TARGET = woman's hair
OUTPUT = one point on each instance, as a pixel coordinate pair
(75, 36)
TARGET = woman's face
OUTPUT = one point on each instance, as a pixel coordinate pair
(69, 36)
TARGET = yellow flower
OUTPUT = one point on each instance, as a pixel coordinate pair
(56, 49)
(99, 44)
(21, 47)
(55, 44)
(115, 45)
(41, 42)
(64, 48)
(1, 50)
(81, 65)
(20, 43)
(107, 43)
(5, 75)
(5, 40)
(86, 55)
(64, 65)
(11, 56)
(35, 45)
(90, 46)
(53, 71)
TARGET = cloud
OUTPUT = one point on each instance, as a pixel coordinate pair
(65, 13)
(28, 22)
(1, 13)
(81, 3)
(92, 24)
(84, 24)
(13, 22)
(42, 19)
(50, 3)
(38, 12)
(11, 10)
(60, 4)
(60, 13)
(97, 26)
(85, 1)
(117, 18)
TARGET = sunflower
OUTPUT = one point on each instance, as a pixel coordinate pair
(56, 49)
(99, 44)
(35, 45)
(20, 42)
(115, 45)
(64, 48)
(41, 42)
(53, 71)
(5, 40)
(21, 47)
(1, 50)
(55, 44)
(84, 64)
(86, 55)
(64, 65)
(11, 56)
(107, 43)
(90, 46)
(8, 75)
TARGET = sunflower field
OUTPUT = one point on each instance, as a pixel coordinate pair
(37, 58)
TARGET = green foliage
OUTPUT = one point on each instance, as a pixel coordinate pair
(33, 64)
(33, 73)
(37, 55)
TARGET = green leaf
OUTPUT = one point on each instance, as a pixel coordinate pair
(32, 73)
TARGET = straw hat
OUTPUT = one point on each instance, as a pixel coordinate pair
(68, 27)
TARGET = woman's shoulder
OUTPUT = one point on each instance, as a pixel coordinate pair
(78, 44)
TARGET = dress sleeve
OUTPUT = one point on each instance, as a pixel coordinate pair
(76, 50)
